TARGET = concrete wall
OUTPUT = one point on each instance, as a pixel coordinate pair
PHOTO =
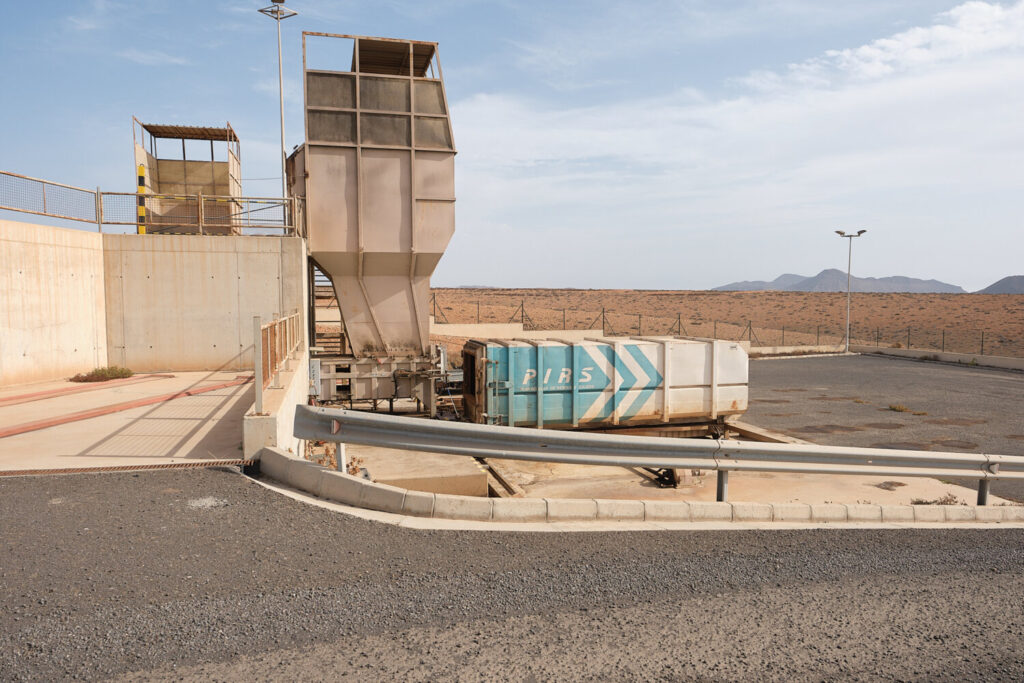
(507, 331)
(274, 426)
(186, 302)
(51, 302)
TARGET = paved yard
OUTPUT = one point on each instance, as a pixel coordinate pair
(204, 575)
(848, 401)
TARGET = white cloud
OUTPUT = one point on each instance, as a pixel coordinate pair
(94, 17)
(966, 31)
(916, 136)
(152, 57)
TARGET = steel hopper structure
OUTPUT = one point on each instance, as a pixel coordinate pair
(377, 170)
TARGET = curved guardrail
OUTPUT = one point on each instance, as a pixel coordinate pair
(721, 455)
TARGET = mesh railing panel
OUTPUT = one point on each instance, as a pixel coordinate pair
(164, 212)
(31, 195)
(244, 212)
(120, 208)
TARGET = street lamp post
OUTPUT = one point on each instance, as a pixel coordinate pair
(278, 12)
(849, 263)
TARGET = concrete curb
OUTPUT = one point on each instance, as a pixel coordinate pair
(360, 493)
(968, 359)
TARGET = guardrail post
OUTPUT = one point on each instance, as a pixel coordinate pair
(983, 485)
(257, 361)
(722, 492)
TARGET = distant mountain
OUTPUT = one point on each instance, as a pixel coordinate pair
(781, 282)
(833, 280)
(1013, 284)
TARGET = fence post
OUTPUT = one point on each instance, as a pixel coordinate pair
(714, 334)
(639, 323)
(943, 341)
(257, 362)
(199, 211)
(783, 335)
(982, 343)
(563, 318)
(603, 322)
(99, 210)
(477, 312)
(275, 374)
(878, 336)
(908, 337)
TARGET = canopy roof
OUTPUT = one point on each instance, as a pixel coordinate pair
(226, 134)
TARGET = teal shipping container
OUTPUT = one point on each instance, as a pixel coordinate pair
(603, 382)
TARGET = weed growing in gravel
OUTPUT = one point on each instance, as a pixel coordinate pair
(890, 485)
(948, 499)
(898, 408)
(103, 374)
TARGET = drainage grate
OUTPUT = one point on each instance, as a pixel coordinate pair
(132, 468)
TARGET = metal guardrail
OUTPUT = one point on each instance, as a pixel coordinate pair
(193, 213)
(277, 341)
(722, 455)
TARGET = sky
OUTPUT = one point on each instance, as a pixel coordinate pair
(652, 144)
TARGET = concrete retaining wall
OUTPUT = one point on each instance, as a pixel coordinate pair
(186, 302)
(965, 358)
(795, 350)
(507, 331)
(349, 490)
(52, 308)
(275, 426)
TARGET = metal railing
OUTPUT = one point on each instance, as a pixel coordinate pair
(45, 198)
(277, 341)
(153, 213)
(721, 455)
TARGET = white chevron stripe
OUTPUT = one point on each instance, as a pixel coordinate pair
(596, 359)
(641, 377)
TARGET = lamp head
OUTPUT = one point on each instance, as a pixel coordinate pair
(840, 233)
(861, 232)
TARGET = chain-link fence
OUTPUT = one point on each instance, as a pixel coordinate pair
(619, 323)
(153, 213)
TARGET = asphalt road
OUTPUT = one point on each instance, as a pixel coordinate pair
(845, 401)
(200, 575)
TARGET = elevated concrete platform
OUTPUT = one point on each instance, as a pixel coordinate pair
(188, 429)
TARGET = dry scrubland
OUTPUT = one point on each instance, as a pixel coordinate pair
(793, 318)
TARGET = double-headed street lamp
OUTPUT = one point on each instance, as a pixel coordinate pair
(849, 262)
(278, 12)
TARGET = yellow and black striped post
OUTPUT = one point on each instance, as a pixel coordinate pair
(142, 200)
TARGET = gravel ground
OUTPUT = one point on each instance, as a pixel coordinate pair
(202, 575)
(844, 401)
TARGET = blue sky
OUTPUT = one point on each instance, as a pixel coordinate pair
(650, 144)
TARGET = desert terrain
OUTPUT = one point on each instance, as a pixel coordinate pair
(964, 323)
